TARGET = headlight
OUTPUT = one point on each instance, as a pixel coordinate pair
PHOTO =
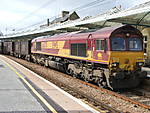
(115, 64)
(140, 64)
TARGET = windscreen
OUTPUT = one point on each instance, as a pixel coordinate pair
(118, 44)
(128, 44)
(135, 44)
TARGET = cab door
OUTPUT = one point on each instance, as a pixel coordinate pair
(90, 48)
(100, 50)
(101, 47)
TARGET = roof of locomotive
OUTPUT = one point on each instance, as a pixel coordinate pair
(100, 33)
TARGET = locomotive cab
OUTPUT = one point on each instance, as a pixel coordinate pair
(126, 57)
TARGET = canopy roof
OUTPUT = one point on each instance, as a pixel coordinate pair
(138, 15)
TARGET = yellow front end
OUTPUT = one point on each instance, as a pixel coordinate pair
(126, 60)
(125, 69)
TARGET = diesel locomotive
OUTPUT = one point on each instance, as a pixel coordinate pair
(110, 57)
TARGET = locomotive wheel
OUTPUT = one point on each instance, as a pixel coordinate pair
(74, 75)
(46, 63)
(68, 71)
(28, 59)
(85, 78)
(34, 60)
(71, 72)
(101, 83)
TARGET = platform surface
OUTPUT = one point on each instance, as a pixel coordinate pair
(14, 96)
(21, 90)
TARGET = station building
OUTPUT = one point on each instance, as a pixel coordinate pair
(146, 34)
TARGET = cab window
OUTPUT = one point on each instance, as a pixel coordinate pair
(135, 44)
(100, 44)
(118, 44)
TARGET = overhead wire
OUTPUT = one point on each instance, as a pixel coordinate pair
(95, 6)
(88, 5)
(35, 11)
(80, 8)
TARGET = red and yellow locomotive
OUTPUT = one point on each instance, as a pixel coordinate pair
(111, 57)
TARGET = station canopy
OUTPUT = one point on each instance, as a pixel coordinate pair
(138, 15)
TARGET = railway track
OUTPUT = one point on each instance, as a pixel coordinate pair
(135, 96)
(138, 97)
(91, 101)
(131, 97)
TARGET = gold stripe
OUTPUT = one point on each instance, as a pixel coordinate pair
(34, 91)
(70, 56)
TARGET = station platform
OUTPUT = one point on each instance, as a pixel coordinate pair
(23, 91)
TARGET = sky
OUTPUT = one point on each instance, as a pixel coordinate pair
(20, 14)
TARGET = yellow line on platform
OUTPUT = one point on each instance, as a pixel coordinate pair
(34, 91)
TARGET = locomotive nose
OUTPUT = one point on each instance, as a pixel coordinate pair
(126, 61)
